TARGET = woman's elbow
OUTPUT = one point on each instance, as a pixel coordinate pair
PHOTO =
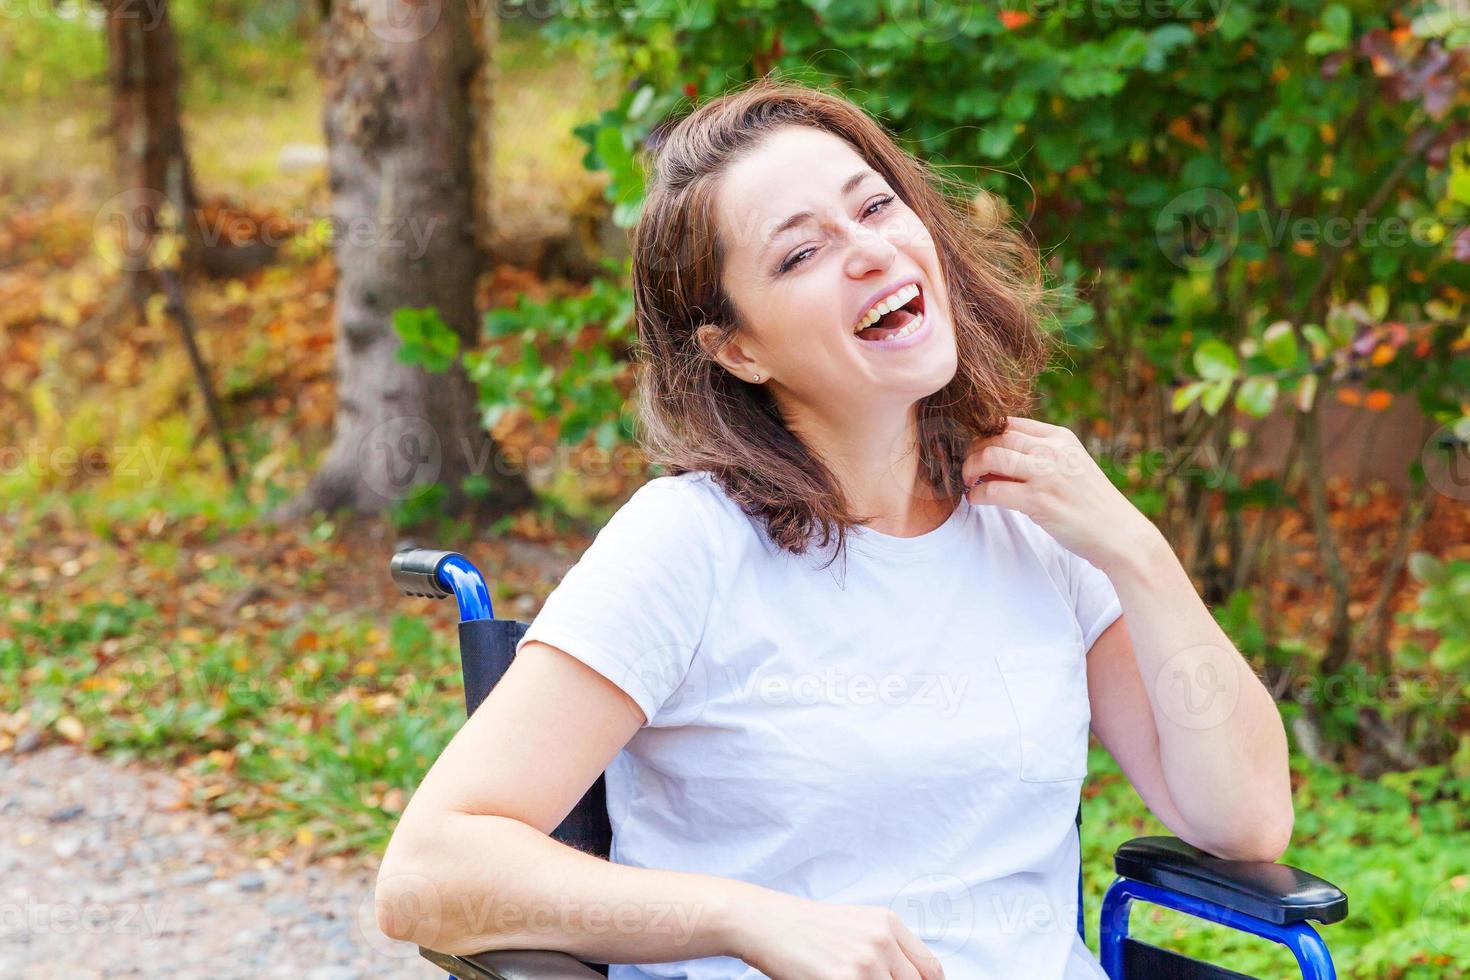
(408, 896)
(403, 900)
(1265, 839)
(1275, 837)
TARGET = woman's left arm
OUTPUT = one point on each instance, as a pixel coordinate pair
(1188, 720)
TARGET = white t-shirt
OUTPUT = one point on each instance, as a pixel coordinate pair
(909, 734)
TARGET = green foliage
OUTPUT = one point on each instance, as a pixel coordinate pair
(562, 358)
(1421, 689)
(49, 50)
(1442, 607)
(426, 339)
(58, 50)
(1144, 137)
(586, 389)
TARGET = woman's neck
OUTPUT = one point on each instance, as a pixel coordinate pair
(877, 466)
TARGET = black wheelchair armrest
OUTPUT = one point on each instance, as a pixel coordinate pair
(513, 964)
(1278, 893)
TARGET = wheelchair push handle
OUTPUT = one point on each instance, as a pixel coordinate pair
(436, 574)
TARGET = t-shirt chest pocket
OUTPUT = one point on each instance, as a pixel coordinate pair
(1046, 685)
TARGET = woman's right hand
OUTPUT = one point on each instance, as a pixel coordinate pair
(787, 937)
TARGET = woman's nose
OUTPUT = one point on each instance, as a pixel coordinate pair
(868, 249)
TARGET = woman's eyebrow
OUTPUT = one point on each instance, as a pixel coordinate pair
(800, 216)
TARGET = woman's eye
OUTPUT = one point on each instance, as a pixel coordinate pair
(878, 205)
(796, 259)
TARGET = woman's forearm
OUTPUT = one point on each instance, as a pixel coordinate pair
(1221, 741)
(482, 882)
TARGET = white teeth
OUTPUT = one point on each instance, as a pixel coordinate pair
(887, 305)
(913, 325)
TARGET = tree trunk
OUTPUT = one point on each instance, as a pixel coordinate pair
(156, 181)
(399, 81)
(151, 161)
(157, 195)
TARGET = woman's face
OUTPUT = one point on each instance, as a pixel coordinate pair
(814, 239)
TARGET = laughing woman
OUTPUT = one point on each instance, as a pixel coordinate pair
(841, 662)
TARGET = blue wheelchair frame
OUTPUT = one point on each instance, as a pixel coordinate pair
(1273, 901)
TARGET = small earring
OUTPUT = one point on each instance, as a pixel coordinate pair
(756, 377)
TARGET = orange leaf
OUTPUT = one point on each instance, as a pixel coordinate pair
(1181, 128)
(1378, 400)
(1349, 396)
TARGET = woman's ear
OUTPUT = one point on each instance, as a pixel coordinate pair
(732, 356)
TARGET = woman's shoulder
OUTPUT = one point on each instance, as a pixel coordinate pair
(694, 493)
(684, 509)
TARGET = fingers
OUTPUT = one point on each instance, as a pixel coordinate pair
(902, 969)
(1000, 494)
(1031, 427)
(997, 460)
(1011, 439)
(920, 957)
(1021, 442)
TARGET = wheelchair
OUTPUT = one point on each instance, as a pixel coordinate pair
(1273, 901)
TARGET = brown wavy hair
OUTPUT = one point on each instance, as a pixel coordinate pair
(694, 415)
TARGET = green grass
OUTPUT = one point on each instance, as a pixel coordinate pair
(301, 730)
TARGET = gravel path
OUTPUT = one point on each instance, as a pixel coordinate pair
(100, 877)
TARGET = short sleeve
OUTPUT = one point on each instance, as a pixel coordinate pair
(635, 605)
(1093, 598)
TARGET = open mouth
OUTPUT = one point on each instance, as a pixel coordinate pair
(895, 316)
